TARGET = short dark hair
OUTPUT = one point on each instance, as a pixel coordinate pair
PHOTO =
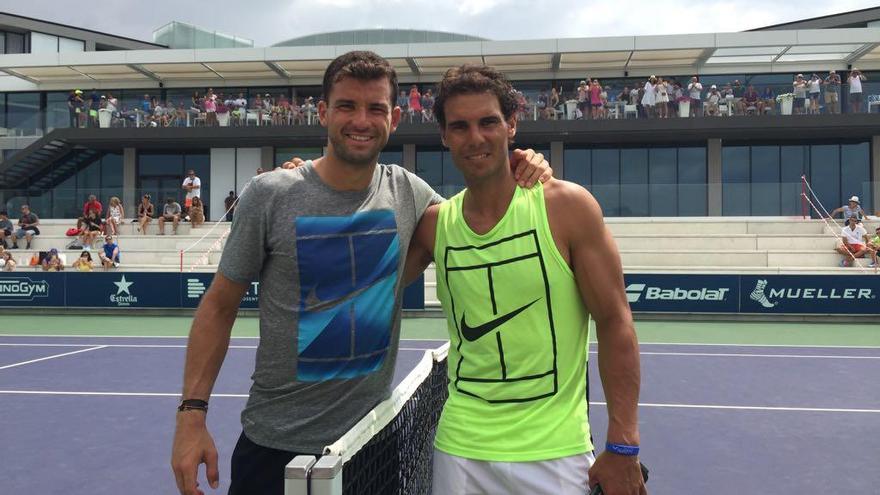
(471, 79)
(4, 213)
(363, 66)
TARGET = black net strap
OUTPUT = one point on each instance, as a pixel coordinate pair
(398, 458)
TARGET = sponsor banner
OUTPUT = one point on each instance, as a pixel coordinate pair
(123, 290)
(414, 294)
(817, 294)
(194, 285)
(683, 293)
(32, 289)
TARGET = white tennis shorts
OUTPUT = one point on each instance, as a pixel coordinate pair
(455, 475)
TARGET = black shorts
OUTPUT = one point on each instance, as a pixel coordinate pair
(7, 232)
(258, 469)
(800, 102)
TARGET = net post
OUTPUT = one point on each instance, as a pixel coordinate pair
(327, 476)
(181, 261)
(804, 196)
(296, 475)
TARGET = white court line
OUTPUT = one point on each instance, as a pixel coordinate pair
(51, 357)
(643, 404)
(749, 408)
(644, 353)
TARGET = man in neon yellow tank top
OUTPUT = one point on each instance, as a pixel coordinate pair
(516, 271)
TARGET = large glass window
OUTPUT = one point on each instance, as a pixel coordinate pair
(855, 174)
(161, 174)
(663, 180)
(23, 113)
(43, 43)
(825, 174)
(284, 154)
(693, 195)
(15, 43)
(634, 198)
(735, 191)
(57, 111)
(765, 181)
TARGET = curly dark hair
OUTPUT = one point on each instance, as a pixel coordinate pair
(363, 66)
(471, 79)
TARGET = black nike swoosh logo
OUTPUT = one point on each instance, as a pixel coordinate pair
(473, 333)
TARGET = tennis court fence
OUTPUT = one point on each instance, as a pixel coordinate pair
(389, 451)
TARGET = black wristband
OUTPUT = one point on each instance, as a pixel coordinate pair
(190, 404)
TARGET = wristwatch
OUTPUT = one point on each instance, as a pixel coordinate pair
(193, 404)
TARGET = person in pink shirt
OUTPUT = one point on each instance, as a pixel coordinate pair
(595, 99)
(415, 102)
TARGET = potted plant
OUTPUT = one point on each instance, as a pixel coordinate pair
(684, 106)
(785, 100)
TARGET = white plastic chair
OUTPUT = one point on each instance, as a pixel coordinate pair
(630, 109)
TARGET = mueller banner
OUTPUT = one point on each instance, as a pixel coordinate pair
(683, 293)
(123, 290)
(802, 294)
(32, 289)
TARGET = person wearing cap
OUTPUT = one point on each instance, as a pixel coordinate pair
(712, 100)
(800, 94)
(832, 92)
(695, 90)
(852, 209)
(815, 86)
(855, 80)
(583, 99)
(109, 255)
(853, 243)
(74, 107)
(649, 98)
(52, 262)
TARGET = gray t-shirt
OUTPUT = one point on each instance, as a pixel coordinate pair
(330, 265)
(171, 208)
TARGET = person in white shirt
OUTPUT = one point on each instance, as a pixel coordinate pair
(854, 242)
(815, 86)
(193, 187)
(695, 89)
(855, 89)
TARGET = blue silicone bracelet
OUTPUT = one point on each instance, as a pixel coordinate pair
(620, 449)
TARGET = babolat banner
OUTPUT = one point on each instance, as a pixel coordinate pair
(849, 294)
(683, 293)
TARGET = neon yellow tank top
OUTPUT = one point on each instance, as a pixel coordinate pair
(518, 338)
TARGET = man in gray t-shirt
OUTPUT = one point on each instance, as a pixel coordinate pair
(327, 243)
(170, 213)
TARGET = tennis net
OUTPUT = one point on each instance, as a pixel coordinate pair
(389, 451)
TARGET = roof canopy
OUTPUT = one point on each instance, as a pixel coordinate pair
(718, 53)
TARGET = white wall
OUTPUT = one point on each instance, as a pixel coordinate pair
(222, 179)
(247, 162)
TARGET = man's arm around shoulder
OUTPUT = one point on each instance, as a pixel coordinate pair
(206, 349)
(577, 225)
(421, 247)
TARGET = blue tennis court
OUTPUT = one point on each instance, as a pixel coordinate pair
(95, 415)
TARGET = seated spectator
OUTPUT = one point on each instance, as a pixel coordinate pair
(768, 101)
(145, 213)
(110, 254)
(713, 99)
(428, 106)
(873, 247)
(197, 212)
(92, 204)
(115, 214)
(170, 213)
(52, 262)
(853, 243)
(751, 101)
(91, 229)
(7, 264)
(27, 227)
(84, 262)
(6, 228)
(849, 210)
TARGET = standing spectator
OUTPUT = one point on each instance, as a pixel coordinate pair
(28, 227)
(661, 98)
(583, 98)
(6, 228)
(695, 90)
(92, 204)
(738, 90)
(415, 103)
(853, 242)
(541, 104)
(403, 102)
(650, 96)
(855, 80)
(91, 229)
(7, 263)
(852, 209)
(170, 213)
(109, 255)
(800, 94)
(832, 92)
(428, 106)
(815, 86)
(115, 214)
(193, 187)
(84, 262)
(554, 103)
(75, 107)
(595, 100)
(197, 212)
(111, 103)
(145, 213)
(210, 108)
(230, 205)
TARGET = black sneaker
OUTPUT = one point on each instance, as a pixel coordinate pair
(28, 245)
(14, 246)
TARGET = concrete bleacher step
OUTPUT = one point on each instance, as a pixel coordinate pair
(167, 258)
(143, 242)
